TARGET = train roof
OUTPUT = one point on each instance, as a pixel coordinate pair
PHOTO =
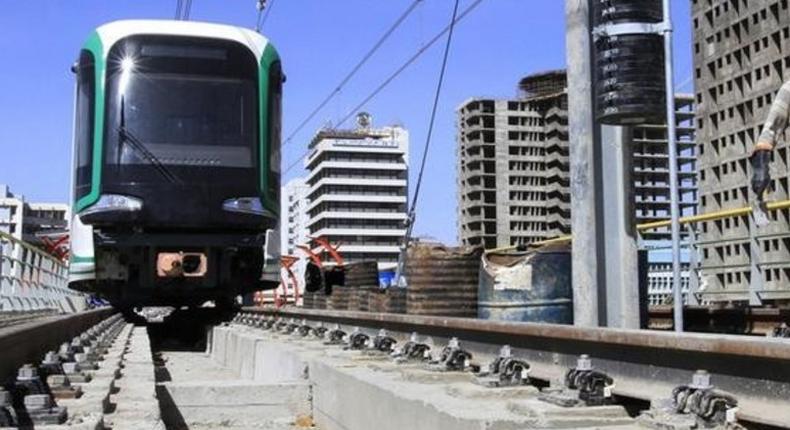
(112, 32)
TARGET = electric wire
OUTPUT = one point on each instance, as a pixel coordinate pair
(443, 70)
(394, 75)
(179, 4)
(261, 6)
(263, 14)
(354, 70)
(187, 9)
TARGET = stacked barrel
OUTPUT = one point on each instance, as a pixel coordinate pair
(629, 67)
(359, 278)
(442, 280)
(391, 300)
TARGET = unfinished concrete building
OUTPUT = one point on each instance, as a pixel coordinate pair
(513, 165)
(513, 161)
(741, 57)
(651, 168)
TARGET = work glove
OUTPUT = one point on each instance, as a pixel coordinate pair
(761, 177)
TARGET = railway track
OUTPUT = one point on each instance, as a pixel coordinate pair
(8, 319)
(296, 368)
(644, 365)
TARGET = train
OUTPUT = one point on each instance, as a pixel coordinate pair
(176, 164)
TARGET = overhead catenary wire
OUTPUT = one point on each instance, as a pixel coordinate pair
(179, 5)
(187, 9)
(442, 72)
(394, 75)
(354, 70)
(263, 13)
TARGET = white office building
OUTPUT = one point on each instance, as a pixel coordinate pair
(294, 216)
(358, 191)
(31, 221)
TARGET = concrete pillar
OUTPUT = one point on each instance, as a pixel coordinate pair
(581, 131)
(621, 266)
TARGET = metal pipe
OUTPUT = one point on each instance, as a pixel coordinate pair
(653, 225)
(674, 196)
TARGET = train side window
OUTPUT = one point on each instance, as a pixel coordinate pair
(275, 127)
(84, 122)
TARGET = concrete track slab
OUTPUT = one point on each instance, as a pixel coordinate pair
(352, 390)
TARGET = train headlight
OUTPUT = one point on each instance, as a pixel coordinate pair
(247, 205)
(114, 203)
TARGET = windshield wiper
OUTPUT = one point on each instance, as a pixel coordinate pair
(126, 136)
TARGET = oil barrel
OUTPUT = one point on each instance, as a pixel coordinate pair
(442, 280)
(532, 286)
(390, 300)
(362, 274)
(308, 300)
(357, 277)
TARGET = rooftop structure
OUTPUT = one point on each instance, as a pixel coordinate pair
(30, 221)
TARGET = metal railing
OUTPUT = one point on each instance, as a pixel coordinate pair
(31, 279)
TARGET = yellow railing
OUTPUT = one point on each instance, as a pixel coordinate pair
(692, 219)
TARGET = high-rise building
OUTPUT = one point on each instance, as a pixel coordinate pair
(29, 221)
(741, 57)
(652, 196)
(294, 217)
(293, 226)
(358, 190)
(513, 166)
(513, 180)
(651, 168)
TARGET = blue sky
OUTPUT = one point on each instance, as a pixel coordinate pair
(319, 40)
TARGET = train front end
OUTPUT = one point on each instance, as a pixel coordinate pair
(176, 163)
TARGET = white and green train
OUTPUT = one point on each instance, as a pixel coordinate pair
(176, 159)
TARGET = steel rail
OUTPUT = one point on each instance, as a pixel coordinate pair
(28, 342)
(645, 364)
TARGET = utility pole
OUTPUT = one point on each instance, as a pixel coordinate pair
(586, 260)
(674, 195)
(604, 252)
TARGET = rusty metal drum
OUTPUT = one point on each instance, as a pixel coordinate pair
(532, 286)
(442, 280)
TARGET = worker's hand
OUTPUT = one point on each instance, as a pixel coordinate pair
(761, 177)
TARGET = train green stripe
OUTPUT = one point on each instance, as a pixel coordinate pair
(268, 57)
(94, 45)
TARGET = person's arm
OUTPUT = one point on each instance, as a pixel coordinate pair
(774, 125)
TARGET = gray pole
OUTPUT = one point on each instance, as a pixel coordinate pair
(616, 195)
(673, 168)
(582, 168)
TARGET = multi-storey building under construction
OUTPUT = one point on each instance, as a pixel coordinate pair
(741, 57)
(513, 165)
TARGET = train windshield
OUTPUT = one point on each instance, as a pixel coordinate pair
(181, 101)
